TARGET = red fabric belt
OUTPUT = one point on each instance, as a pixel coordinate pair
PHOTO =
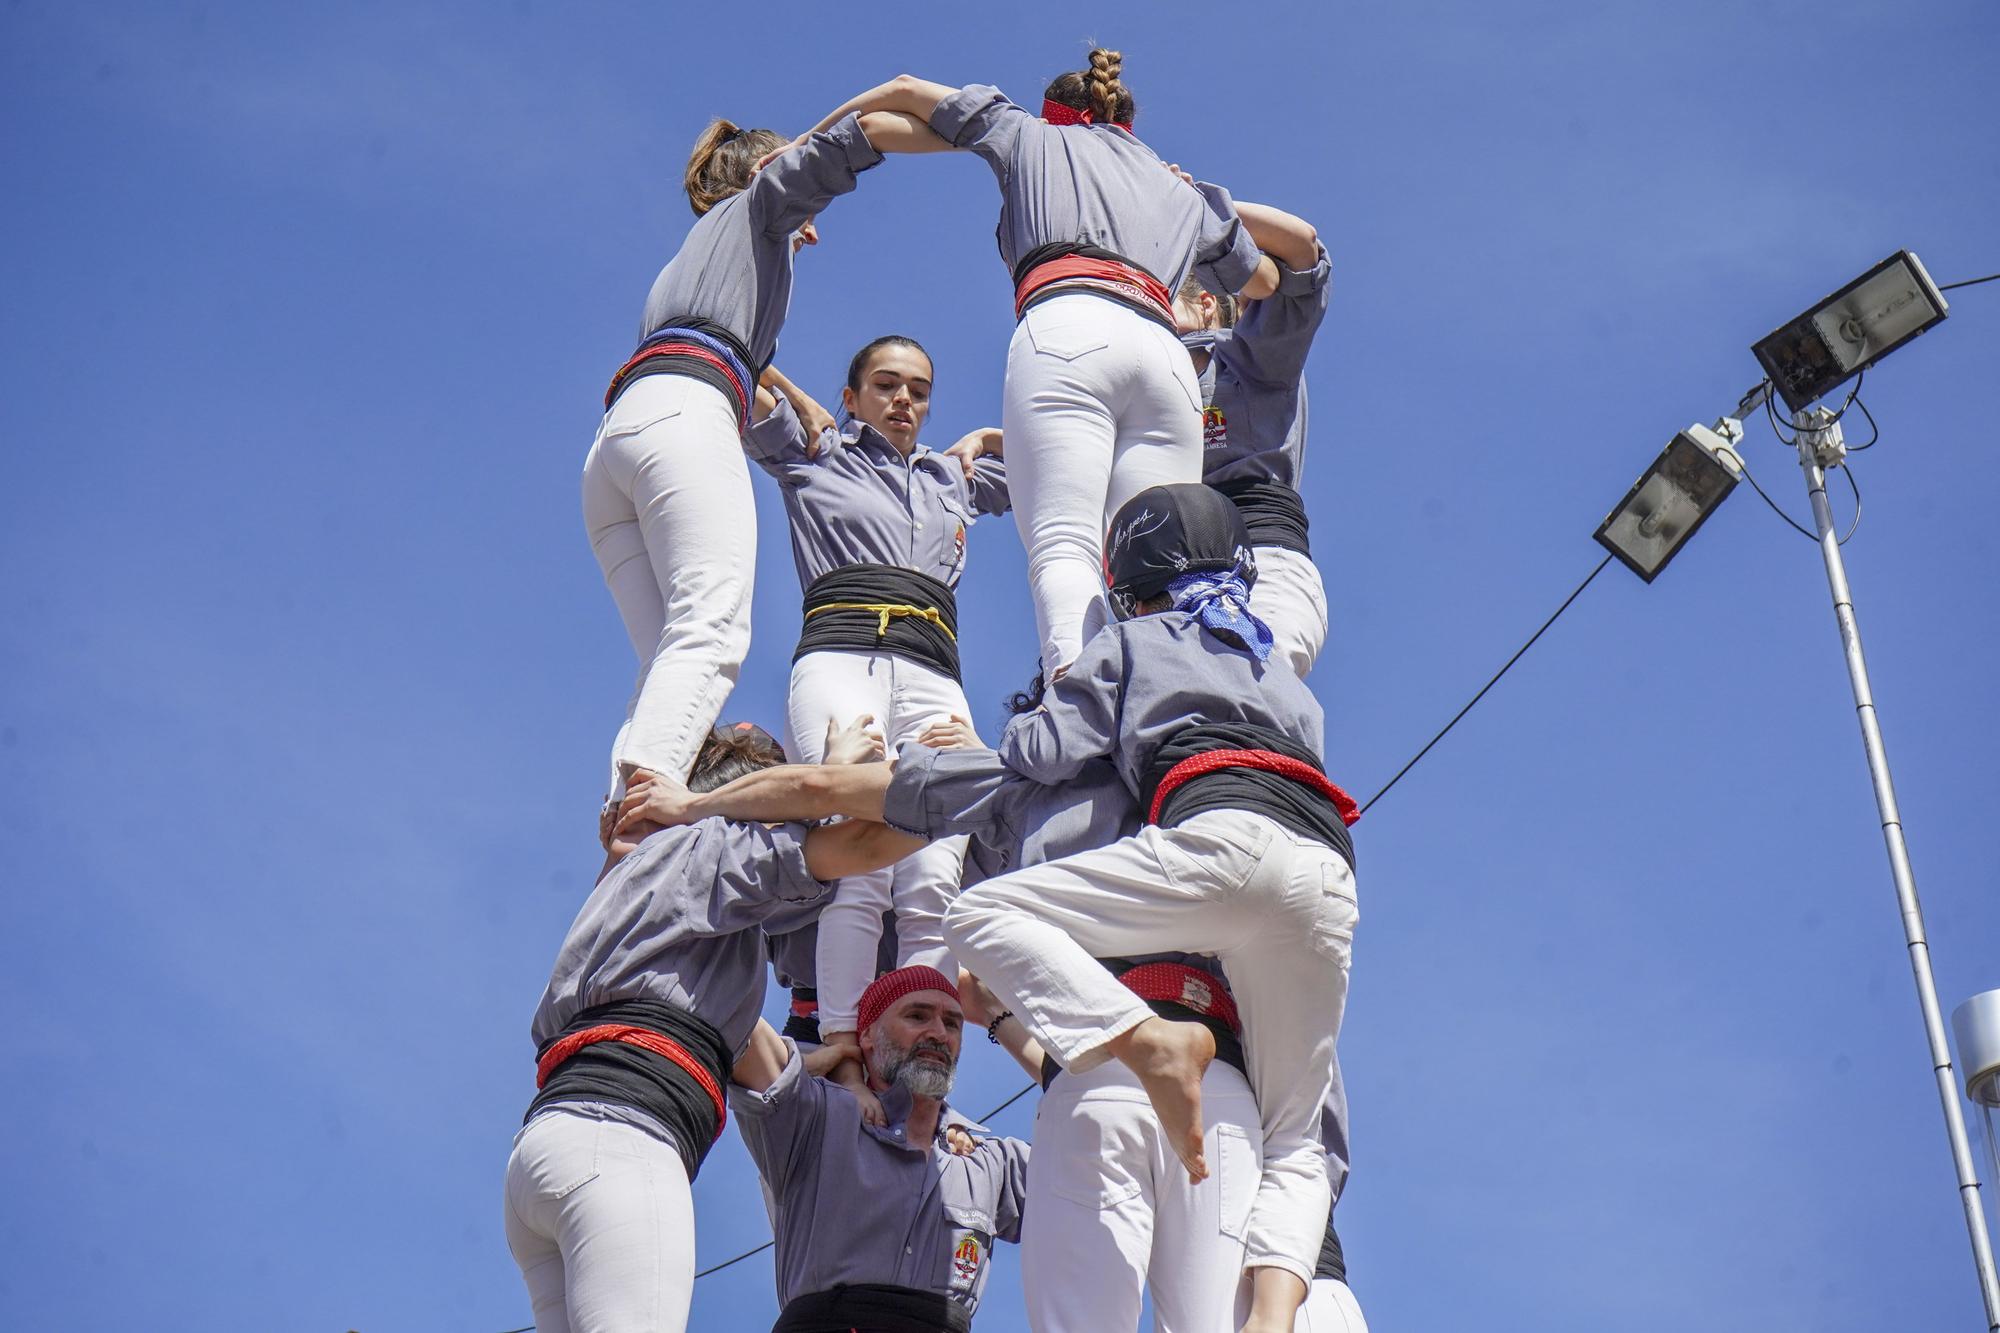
(1188, 987)
(681, 349)
(1214, 761)
(646, 1039)
(805, 1008)
(1108, 275)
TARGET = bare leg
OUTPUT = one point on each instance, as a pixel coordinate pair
(1169, 1059)
(1275, 1298)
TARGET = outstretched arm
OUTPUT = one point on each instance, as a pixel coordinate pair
(1288, 239)
(905, 93)
(901, 132)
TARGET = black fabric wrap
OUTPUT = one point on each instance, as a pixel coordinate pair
(1291, 804)
(1228, 1048)
(1042, 254)
(1332, 1263)
(627, 1075)
(693, 367)
(912, 638)
(1273, 511)
(803, 1027)
(870, 1307)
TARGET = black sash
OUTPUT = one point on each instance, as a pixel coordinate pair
(1291, 804)
(626, 1075)
(1332, 1263)
(694, 367)
(868, 1307)
(1273, 512)
(914, 638)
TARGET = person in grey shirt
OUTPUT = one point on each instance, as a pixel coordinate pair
(1252, 374)
(1110, 1218)
(1249, 859)
(884, 1228)
(1099, 400)
(666, 492)
(653, 997)
(878, 526)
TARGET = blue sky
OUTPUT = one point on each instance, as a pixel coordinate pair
(307, 674)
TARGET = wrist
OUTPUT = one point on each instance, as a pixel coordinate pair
(993, 1028)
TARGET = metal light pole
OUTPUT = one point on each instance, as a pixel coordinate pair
(1820, 446)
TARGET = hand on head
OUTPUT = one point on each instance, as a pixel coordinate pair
(650, 799)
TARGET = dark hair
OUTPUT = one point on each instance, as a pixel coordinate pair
(1225, 305)
(731, 752)
(721, 161)
(1096, 89)
(1028, 700)
(859, 365)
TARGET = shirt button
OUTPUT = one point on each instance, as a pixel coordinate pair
(908, 1250)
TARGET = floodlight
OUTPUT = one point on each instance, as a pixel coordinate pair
(1688, 481)
(1977, 1024)
(1851, 330)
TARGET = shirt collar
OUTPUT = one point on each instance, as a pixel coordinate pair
(860, 432)
(896, 1103)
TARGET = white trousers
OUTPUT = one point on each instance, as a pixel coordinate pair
(601, 1222)
(666, 497)
(1290, 597)
(1100, 403)
(902, 697)
(1330, 1308)
(1113, 1214)
(1277, 909)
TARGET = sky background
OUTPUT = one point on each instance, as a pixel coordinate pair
(307, 674)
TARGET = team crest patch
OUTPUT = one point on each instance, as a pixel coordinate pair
(1214, 429)
(965, 1259)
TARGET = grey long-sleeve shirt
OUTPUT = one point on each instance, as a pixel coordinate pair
(860, 502)
(1139, 682)
(678, 921)
(851, 1203)
(735, 267)
(1254, 385)
(1093, 185)
(1014, 822)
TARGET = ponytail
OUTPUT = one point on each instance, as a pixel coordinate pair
(1097, 91)
(1110, 104)
(721, 161)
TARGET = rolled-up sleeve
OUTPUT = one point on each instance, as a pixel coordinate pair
(782, 1125)
(802, 181)
(778, 444)
(988, 487)
(759, 866)
(1078, 719)
(1275, 334)
(1225, 258)
(980, 118)
(938, 793)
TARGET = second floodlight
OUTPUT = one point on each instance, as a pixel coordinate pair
(1688, 481)
(1830, 344)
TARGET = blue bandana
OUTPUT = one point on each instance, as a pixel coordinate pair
(1221, 602)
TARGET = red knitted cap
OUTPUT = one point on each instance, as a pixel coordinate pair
(890, 987)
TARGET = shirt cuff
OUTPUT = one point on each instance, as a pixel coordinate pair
(1298, 282)
(950, 115)
(903, 805)
(859, 153)
(754, 1104)
(779, 436)
(1234, 268)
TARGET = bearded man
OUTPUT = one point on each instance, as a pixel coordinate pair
(884, 1227)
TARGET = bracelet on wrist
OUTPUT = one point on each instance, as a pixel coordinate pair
(993, 1028)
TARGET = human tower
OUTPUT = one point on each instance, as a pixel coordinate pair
(1144, 892)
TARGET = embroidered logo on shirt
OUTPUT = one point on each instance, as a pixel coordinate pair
(965, 1260)
(1214, 429)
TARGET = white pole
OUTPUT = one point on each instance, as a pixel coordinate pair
(1819, 439)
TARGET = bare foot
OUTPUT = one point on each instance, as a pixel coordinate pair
(1169, 1059)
